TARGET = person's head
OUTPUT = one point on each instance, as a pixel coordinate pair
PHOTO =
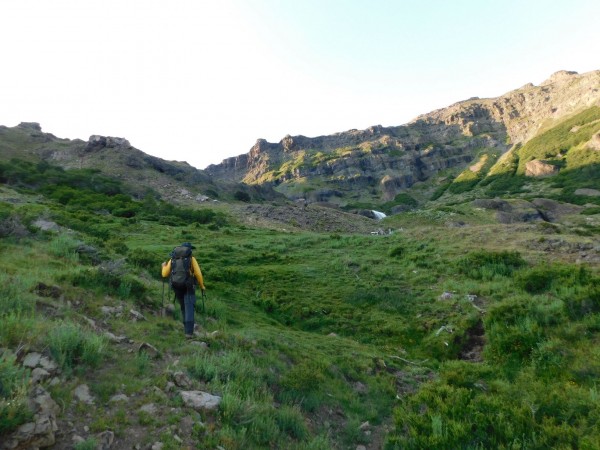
(188, 245)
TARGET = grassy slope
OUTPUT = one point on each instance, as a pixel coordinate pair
(317, 333)
(276, 298)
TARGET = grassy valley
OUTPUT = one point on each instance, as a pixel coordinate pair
(450, 330)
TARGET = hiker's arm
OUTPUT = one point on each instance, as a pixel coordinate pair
(198, 273)
(166, 269)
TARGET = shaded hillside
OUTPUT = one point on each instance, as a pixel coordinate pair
(115, 157)
(375, 165)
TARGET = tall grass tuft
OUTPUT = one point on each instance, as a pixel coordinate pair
(484, 265)
(17, 328)
(14, 296)
(64, 246)
(71, 345)
(13, 394)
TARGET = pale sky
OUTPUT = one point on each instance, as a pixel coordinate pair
(200, 81)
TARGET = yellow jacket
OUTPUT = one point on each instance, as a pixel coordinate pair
(194, 269)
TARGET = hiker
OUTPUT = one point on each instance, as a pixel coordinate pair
(183, 268)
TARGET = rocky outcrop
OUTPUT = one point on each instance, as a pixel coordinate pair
(39, 433)
(516, 211)
(537, 168)
(524, 111)
(594, 143)
(96, 143)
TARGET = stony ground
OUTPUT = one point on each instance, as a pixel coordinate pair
(312, 217)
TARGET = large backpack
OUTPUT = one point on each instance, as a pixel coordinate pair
(181, 262)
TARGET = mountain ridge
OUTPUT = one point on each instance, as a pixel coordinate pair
(388, 160)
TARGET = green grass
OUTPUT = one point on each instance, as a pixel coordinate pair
(14, 409)
(561, 139)
(309, 335)
(71, 345)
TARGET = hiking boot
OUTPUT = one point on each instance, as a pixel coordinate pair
(189, 336)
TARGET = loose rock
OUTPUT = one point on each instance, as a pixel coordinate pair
(82, 394)
(199, 400)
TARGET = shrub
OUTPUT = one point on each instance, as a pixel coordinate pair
(485, 265)
(543, 278)
(582, 303)
(397, 252)
(511, 345)
(242, 196)
(305, 376)
(551, 358)
(504, 184)
(145, 259)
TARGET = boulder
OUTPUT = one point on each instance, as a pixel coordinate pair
(594, 143)
(588, 192)
(38, 375)
(538, 168)
(181, 380)
(113, 338)
(82, 394)
(32, 360)
(149, 408)
(136, 315)
(118, 398)
(495, 204)
(199, 400)
(46, 225)
(105, 440)
(112, 310)
(149, 349)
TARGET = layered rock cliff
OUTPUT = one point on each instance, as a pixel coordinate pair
(386, 160)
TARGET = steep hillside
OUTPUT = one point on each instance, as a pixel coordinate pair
(374, 165)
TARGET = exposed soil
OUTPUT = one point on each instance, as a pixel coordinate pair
(473, 348)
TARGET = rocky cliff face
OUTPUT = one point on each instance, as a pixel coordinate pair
(387, 160)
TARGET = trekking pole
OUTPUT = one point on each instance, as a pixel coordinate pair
(163, 297)
(203, 307)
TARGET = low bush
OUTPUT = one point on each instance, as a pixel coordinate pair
(543, 278)
(484, 265)
(584, 302)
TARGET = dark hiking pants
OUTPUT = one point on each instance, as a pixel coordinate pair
(187, 302)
